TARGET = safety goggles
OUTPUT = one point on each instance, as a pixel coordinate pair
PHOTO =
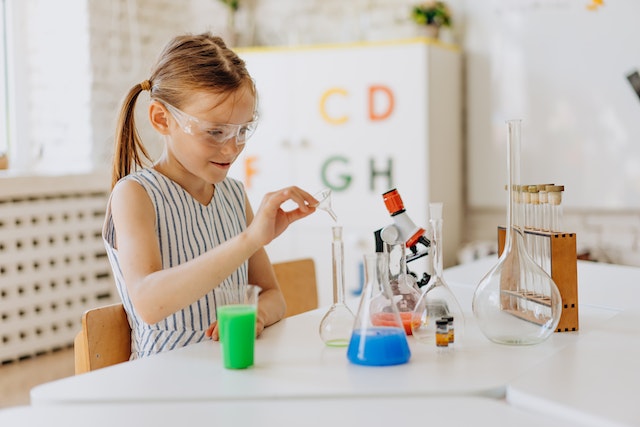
(216, 134)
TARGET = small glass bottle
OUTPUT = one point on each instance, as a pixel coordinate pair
(337, 324)
(437, 300)
(451, 328)
(378, 338)
(442, 332)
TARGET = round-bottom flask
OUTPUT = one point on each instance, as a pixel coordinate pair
(437, 300)
(337, 324)
(516, 302)
(403, 284)
(375, 343)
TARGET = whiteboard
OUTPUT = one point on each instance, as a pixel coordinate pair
(561, 66)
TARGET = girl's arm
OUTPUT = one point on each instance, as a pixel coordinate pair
(157, 293)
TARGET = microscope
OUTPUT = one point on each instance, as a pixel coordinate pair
(403, 229)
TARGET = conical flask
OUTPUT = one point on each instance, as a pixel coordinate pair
(403, 285)
(378, 337)
(516, 302)
(337, 324)
(437, 300)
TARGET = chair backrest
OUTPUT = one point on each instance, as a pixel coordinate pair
(105, 338)
(297, 280)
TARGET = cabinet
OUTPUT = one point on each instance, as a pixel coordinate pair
(360, 119)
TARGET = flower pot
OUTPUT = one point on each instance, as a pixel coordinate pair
(430, 31)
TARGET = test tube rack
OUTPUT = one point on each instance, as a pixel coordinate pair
(564, 272)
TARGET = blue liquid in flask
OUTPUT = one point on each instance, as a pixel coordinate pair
(380, 346)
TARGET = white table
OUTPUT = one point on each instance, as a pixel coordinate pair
(293, 363)
(596, 380)
(367, 412)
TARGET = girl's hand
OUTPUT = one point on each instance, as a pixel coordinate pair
(214, 334)
(212, 331)
(271, 220)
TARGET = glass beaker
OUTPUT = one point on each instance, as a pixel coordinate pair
(437, 300)
(516, 302)
(403, 285)
(377, 343)
(337, 324)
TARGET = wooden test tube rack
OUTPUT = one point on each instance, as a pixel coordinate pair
(564, 272)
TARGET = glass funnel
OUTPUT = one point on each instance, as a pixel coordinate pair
(337, 324)
(324, 202)
(516, 302)
(437, 300)
(378, 338)
(403, 285)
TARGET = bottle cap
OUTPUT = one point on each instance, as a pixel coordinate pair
(555, 188)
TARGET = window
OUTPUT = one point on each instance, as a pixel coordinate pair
(46, 86)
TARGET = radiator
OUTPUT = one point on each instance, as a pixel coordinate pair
(53, 265)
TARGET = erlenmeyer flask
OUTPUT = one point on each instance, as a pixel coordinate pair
(437, 300)
(337, 324)
(516, 302)
(377, 344)
(403, 285)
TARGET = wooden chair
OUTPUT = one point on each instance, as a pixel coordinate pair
(297, 280)
(105, 338)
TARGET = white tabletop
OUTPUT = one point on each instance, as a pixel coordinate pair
(368, 412)
(590, 374)
(292, 361)
(596, 381)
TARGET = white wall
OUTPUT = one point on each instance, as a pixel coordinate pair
(126, 35)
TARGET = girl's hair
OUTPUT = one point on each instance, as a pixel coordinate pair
(188, 63)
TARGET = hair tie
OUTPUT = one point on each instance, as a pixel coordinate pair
(145, 85)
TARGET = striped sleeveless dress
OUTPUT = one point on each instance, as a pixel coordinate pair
(185, 229)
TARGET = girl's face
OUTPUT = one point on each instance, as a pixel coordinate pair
(209, 132)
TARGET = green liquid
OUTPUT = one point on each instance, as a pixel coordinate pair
(340, 342)
(237, 326)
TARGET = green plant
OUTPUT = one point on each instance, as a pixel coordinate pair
(432, 13)
(232, 4)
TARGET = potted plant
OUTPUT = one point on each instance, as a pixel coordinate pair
(432, 15)
(232, 6)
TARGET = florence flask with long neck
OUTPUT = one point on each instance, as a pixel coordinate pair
(517, 302)
(437, 300)
(337, 324)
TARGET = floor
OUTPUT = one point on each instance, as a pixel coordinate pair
(18, 378)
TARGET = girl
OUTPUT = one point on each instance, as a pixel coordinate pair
(176, 230)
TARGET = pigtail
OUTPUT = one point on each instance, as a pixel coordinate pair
(129, 150)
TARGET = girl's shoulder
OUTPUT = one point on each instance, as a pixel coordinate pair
(142, 176)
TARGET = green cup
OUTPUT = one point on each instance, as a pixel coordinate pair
(236, 311)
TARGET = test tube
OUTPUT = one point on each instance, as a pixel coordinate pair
(554, 194)
(544, 226)
(526, 203)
